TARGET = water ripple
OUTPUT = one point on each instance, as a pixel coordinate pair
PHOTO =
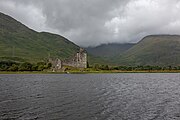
(90, 97)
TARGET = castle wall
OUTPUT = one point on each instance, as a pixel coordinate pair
(71, 63)
(56, 64)
(79, 61)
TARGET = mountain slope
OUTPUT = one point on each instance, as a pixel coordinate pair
(161, 50)
(17, 40)
(109, 50)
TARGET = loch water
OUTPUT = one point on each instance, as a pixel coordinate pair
(125, 96)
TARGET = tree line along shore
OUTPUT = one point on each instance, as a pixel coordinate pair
(45, 67)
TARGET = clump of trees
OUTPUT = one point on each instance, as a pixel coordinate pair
(25, 66)
(145, 68)
(100, 67)
(134, 68)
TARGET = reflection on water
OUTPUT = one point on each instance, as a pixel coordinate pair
(90, 97)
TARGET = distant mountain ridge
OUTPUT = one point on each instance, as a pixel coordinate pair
(153, 50)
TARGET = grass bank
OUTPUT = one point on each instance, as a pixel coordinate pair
(89, 72)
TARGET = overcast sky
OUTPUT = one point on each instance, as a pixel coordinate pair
(95, 22)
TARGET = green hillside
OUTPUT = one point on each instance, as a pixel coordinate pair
(18, 42)
(105, 53)
(161, 50)
(109, 50)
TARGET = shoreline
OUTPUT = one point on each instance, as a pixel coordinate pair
(88, 72)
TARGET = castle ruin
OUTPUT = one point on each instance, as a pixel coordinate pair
(79, 60)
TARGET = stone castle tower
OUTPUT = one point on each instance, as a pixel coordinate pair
(81, 59)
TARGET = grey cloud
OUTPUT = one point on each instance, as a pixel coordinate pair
(93, 22)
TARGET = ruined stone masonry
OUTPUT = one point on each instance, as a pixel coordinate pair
(79, 60)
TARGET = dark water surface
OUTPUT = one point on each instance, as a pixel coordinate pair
(90, 97)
